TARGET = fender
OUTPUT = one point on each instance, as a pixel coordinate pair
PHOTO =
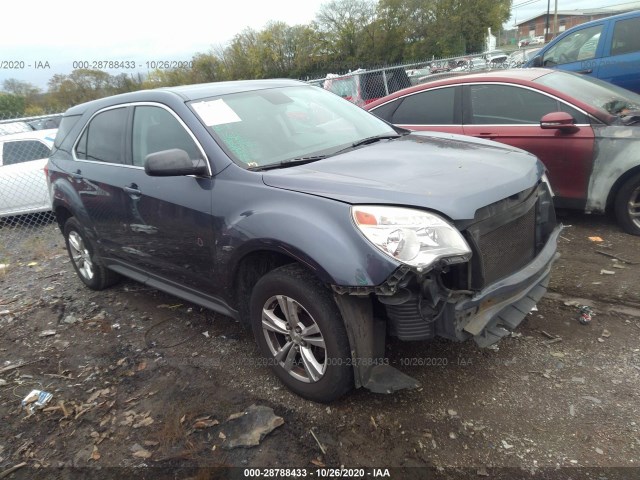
(282, 223)
(617, 150)
(64, 195)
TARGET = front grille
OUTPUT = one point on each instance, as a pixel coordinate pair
(508, 248)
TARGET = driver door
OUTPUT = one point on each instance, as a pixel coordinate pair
(578, 52)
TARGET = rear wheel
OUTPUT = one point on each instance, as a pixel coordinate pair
(627, 205)
(83, 258)
(300, 332)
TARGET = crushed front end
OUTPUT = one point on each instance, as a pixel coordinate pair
(486, 296)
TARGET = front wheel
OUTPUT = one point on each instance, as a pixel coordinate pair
(627, 205)
(83, 258)
(300, 332)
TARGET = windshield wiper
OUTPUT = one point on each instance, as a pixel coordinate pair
(313, 158)
(290, 162)
(368, 140)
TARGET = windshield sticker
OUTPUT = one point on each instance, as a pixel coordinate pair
(216, 112)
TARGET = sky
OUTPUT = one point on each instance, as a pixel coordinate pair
(45, 38)
(64, 32)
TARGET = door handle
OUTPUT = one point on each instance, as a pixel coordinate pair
(132, 189)
(487, 135)
(587, 71)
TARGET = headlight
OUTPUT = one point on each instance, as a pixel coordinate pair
(411, 236)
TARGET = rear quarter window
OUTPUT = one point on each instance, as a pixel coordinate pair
(66, 124)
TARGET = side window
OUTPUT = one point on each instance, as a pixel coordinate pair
(626, 36)
(507, 105)
(580, 45)
(23, 151)
(434, 107)
(386, 111)
(155, 130)
(578, 116)
(103, 139)
(66, 124)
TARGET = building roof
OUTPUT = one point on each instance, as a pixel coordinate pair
(607, 11)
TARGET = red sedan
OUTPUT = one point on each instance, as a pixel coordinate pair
(585, 131)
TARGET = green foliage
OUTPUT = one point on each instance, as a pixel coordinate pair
(83, 85)
(11, 105)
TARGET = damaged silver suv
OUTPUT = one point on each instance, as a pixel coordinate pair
(319, 225)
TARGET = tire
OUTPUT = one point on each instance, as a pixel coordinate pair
(84, 259)
(302, 337)
(627, 205)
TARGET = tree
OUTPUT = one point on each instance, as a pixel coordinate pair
(31, 95)
(79, 86)
(20, 88)
(343, 24)
(11, 106)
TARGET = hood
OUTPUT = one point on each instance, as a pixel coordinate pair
(451, 174)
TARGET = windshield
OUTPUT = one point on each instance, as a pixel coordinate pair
(261, 127)
(601, 95)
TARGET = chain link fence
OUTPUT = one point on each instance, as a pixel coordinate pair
(363, 86)
(25, 203)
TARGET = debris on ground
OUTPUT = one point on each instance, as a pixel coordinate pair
(36, 399)
(248, 428)
(595, 400)
(204, 422)
(616, 257)
(607, 272)
(140, 452)
(586, 312)
(322, 449)
(596, 239)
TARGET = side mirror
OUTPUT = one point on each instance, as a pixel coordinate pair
(537, 61)
(172, 163)
(558, 121)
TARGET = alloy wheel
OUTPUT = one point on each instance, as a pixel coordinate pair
(294, 338)
(634, 206)
(80, 255)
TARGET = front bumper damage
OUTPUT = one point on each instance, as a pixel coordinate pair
(456, 305)
(486, 317)
(498, 309)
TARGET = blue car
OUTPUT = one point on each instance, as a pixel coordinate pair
(608, 49)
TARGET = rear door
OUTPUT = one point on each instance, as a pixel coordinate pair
(511, 114)
(23, 184)
(438, 109)
(98, 171)
(620, 64)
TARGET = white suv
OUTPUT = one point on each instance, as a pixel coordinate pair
(23, 183)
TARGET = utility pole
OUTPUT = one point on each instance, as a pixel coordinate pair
(555, 20)
(546, 28)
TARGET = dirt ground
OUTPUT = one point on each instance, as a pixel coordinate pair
(144, 383)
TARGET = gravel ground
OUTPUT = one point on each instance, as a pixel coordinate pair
(145, 383)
